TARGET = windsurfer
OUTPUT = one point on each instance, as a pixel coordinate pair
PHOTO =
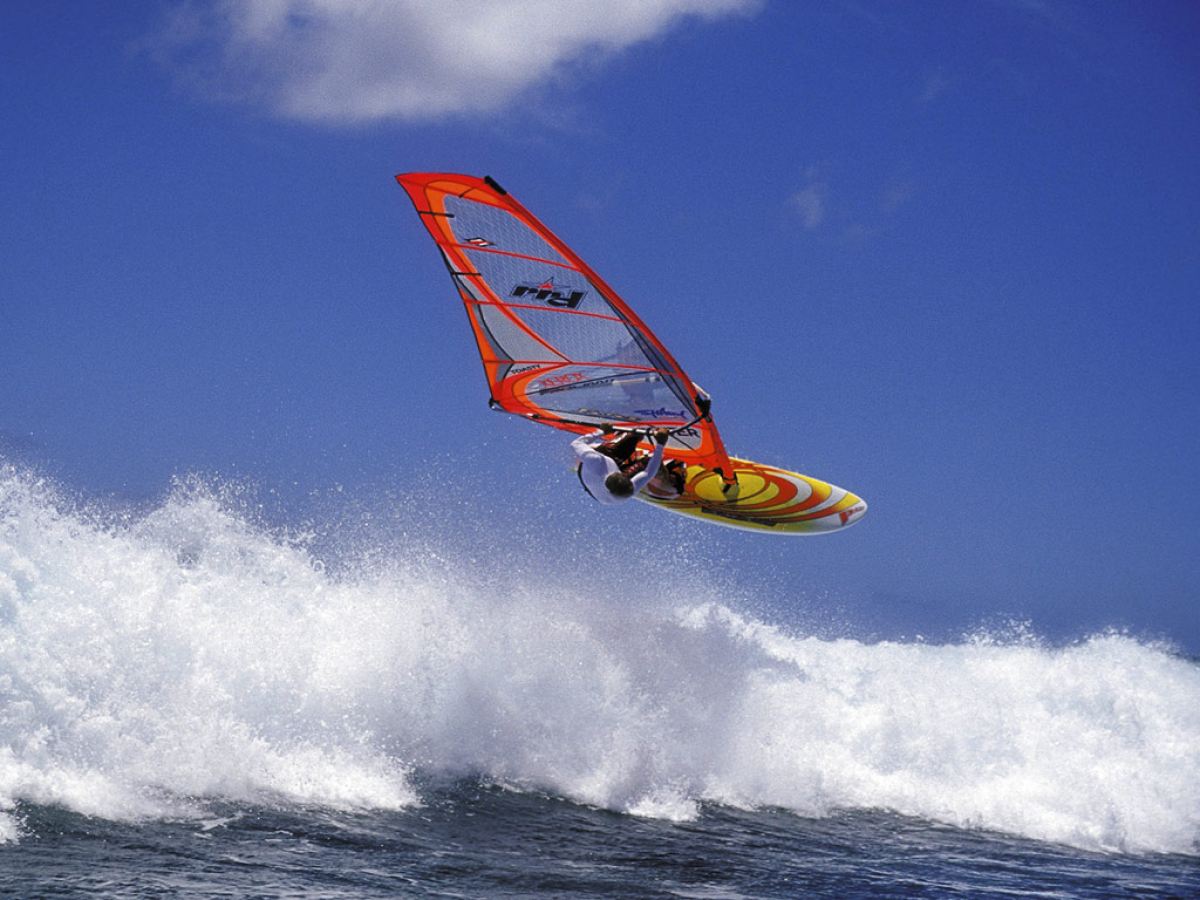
(612, 471)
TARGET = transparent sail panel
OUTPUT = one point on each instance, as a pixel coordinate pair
(477, 224)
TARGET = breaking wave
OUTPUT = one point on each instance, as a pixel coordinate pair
(156, 661)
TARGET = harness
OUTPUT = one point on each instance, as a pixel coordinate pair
(579, 473)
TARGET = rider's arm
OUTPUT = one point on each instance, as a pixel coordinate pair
(642, 477)
(583, 446)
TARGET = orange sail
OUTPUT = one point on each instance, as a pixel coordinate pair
(557, 343)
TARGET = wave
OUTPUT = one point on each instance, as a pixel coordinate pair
(156, 660)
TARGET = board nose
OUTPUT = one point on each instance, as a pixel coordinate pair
(854, 512)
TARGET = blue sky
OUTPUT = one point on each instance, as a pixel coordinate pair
(946, 255)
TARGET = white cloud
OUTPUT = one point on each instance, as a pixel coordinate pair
(368, 60)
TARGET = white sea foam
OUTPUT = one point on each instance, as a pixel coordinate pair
(153, 663)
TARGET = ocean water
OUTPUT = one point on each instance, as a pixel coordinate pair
(194, 704)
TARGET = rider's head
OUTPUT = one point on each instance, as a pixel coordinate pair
(619, 485)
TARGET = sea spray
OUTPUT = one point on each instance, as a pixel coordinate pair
(1095, 744)
(158, 662)
(171, 656)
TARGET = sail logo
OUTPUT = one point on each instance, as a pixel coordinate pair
(558, 381)
(549, 293)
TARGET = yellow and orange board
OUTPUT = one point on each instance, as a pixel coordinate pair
(765, 499)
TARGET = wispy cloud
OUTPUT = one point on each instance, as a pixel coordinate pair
(936, 82)
(897, 194)
(349, 61)
(856, 214)
(810, 201)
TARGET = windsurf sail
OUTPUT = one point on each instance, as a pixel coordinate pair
(558, 345)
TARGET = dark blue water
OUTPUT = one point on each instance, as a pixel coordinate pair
(469, 840)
